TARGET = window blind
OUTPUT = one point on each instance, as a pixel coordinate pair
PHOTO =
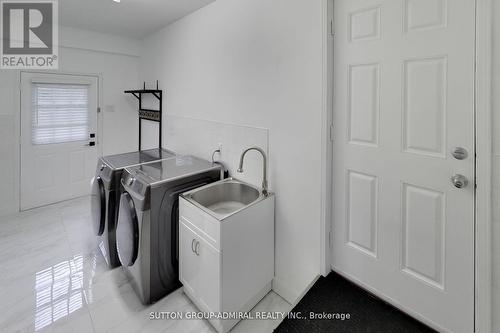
(60, 113)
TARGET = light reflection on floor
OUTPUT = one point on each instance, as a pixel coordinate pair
(60, 290)
(70, 296)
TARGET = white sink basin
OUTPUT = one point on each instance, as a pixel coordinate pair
(225, 197)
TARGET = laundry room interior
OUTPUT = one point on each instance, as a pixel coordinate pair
(250, 166)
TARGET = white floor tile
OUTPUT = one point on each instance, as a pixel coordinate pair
(53, 279)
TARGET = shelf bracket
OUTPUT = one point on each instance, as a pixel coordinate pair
(147, 114)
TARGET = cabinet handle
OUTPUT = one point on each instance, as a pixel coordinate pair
(197, 248)
(192, 246)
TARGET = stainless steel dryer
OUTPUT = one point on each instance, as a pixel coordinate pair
(106, 195)
(147, 235)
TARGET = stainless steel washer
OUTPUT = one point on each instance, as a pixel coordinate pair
(106, 195)
(147, 233)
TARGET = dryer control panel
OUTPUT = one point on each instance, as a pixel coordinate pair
(133, 184)
(104, 171)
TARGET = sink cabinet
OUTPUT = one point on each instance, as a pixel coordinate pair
(200, 266)
(226, 266)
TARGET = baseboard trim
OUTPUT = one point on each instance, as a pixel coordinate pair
(290, 295)
(284, 291)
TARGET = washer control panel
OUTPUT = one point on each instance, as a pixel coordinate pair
(133, 184)
(104, 171)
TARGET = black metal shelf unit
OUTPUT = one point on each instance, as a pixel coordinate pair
(148, 114)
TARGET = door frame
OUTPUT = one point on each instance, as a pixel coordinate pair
(483, 142)
(18, 124)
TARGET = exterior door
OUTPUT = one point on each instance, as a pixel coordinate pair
(59, 143)
(403, 101)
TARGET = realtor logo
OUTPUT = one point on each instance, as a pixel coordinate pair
(29, 34)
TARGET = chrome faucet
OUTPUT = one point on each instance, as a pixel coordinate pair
(264, 172)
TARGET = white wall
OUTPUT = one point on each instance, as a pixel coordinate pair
(115, 60)
(210, 134)
(95, 41)
(496, 168)
(257, 63)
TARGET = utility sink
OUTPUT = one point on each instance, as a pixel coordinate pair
(226, 229)
(225, 197)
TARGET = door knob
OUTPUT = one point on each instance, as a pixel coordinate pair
(460, 153)
(459, 181)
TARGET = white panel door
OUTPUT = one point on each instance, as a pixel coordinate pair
(403, 100)
(58, 115)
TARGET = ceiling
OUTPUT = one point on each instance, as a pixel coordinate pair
(129, 18)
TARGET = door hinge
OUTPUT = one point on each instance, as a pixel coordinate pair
(332, 27)
(330, 240)
(331, 133)
(99, 109)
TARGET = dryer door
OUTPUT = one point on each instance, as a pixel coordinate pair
(127, 231)
(98, 205)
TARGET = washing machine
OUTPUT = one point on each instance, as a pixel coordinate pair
(147, 233)
(105, 195)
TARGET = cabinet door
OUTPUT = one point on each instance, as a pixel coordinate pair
(189, 267)
(209, 279)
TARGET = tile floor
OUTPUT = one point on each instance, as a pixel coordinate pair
(53, 280)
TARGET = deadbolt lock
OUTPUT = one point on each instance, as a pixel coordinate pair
(460, 153)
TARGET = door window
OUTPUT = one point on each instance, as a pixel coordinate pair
(60, 113)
